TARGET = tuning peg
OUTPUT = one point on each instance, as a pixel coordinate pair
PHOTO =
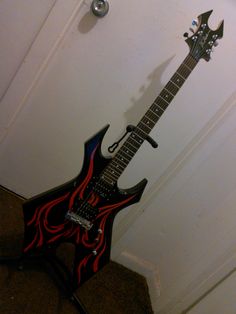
(216, 43)
(208, 51)
(195, 23)
(185, 35)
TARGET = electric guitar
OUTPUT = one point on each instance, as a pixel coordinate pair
(82, 211)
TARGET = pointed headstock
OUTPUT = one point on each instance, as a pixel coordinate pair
(204, 39)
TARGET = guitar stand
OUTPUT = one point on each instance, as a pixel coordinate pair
(59, 268)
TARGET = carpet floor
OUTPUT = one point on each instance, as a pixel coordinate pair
(113, 290)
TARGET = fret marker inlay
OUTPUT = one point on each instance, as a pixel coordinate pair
(131, 145)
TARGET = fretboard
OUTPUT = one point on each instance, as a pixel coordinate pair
(136, 138)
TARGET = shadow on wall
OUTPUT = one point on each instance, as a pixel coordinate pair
(149, 93)
(87, 23)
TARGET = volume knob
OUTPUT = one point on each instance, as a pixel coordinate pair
(95, 252)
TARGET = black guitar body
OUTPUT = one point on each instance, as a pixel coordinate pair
(81, 212)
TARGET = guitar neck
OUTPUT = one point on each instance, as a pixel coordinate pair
(136, 138)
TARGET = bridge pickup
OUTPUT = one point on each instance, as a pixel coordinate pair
(79, 220)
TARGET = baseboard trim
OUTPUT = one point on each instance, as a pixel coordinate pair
(12, 192)
(225, 266)
(145, 268)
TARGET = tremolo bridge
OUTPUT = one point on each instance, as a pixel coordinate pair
(86, 224)
(83, 215)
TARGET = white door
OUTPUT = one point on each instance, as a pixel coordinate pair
(82, 72)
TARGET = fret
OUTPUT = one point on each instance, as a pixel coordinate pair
(172, 87)
(121, 152)
(181, 75)
(162, 103)
(115, 168)
(151, 116)
(166, 103)
(129, 148)
(148, 121)
(184, 71)
(140, 132)
(170, 81)
(178, 79)
(136, 139)
(165, 94)
(134, 143)
(186, 65)
(134, 146)
(122, 161)
(127, 151)
(122, 157)
(190, 62)
(154, 111)
(156, 108)
(107, 180)
(169, 91)
(144, 127)
(112, 174)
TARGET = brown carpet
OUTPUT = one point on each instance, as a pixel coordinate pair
(114, 290)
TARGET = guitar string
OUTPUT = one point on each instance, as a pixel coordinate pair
(191, 62)
(188, 60)
(85, 205)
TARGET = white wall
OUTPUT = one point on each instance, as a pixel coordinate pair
(81, 73)
(220, 300)
(20, 22)
(189, 226)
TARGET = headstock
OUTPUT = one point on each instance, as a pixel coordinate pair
(203, 38)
